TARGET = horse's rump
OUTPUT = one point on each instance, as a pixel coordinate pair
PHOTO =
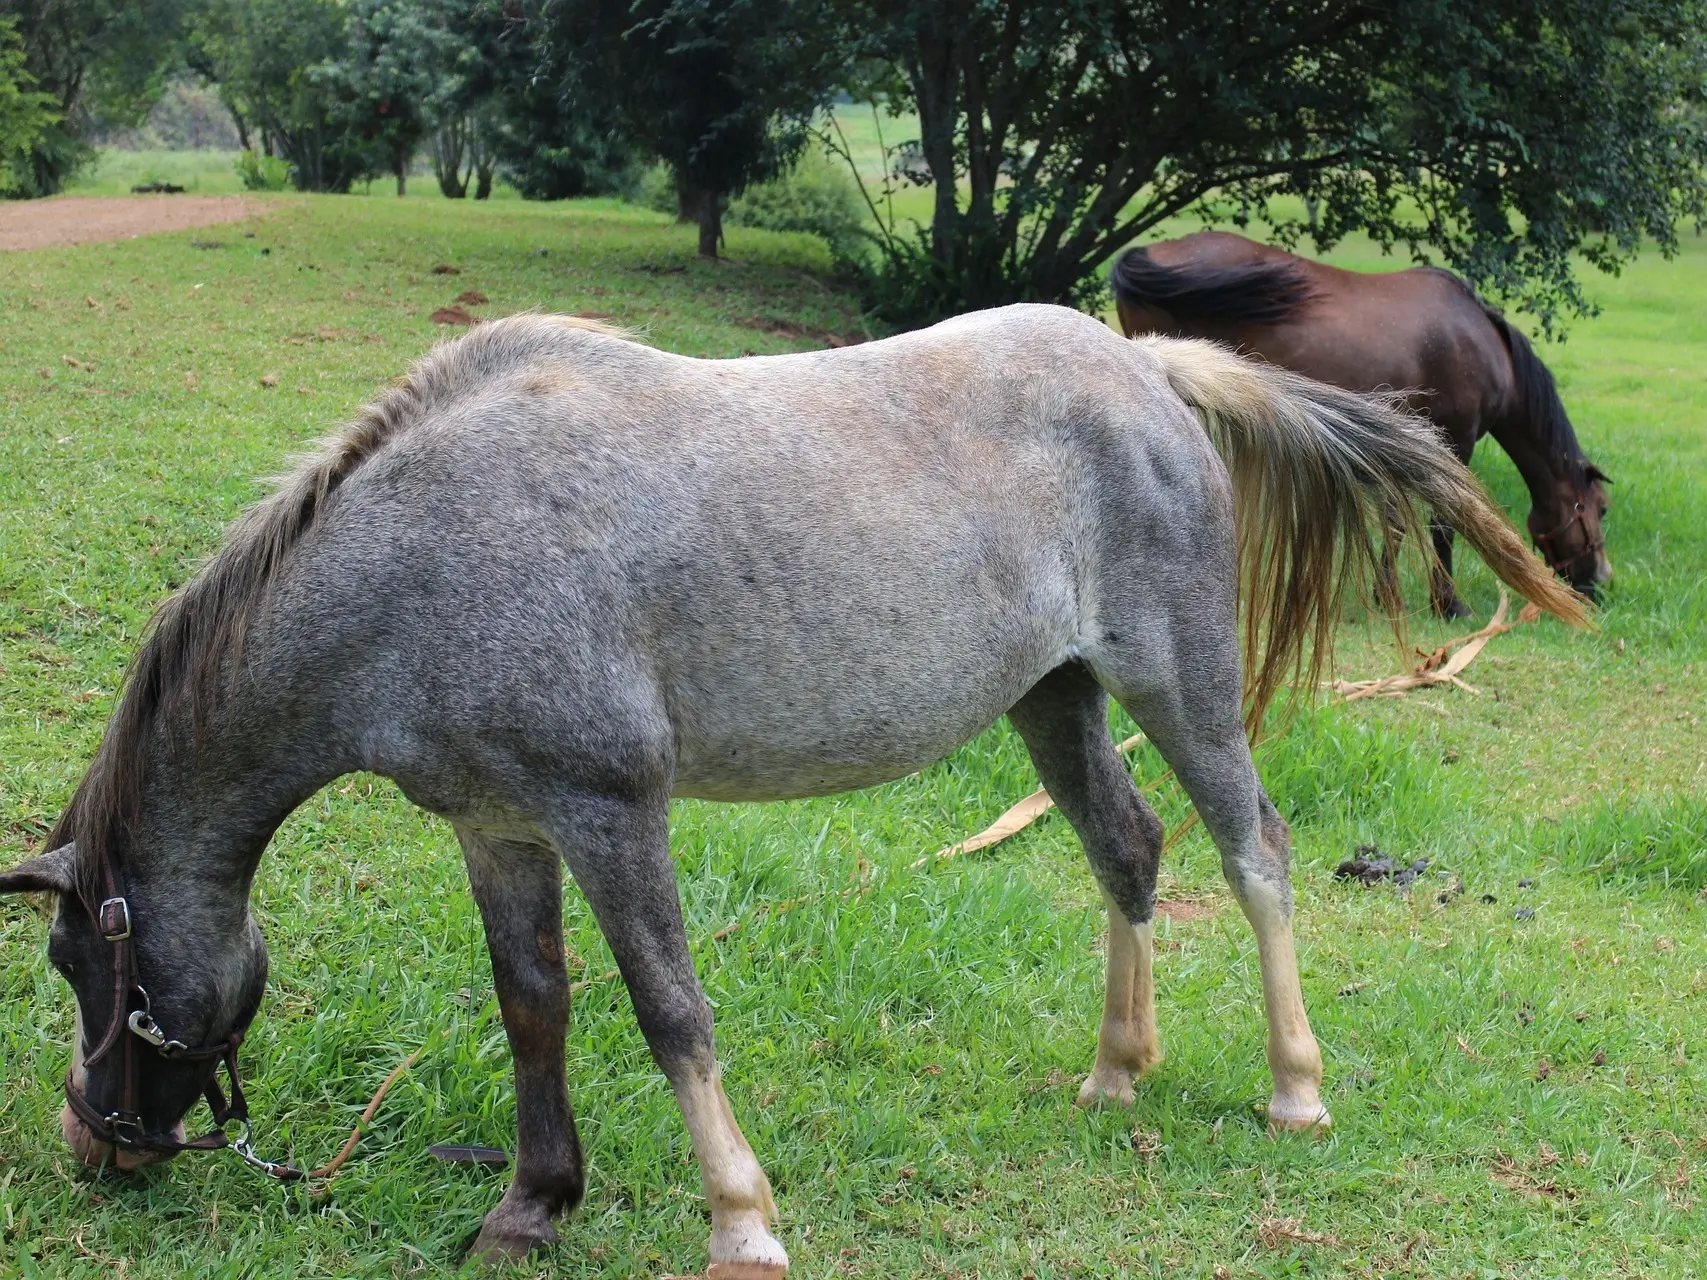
(1264, 292)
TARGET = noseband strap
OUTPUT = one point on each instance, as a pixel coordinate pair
(1545, 541)
(123, 1128)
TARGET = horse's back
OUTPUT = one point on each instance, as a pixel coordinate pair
(808, 573)
(1419, 329)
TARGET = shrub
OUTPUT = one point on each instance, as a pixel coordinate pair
(261, 172)
(814, 196)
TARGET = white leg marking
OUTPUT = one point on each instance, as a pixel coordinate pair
(1127, 1041)
(736, 1190)
(1293, 1058)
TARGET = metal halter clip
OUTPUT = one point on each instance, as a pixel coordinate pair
(272, 1168)
(143, 1025)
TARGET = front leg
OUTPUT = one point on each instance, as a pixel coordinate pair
(618, 848)
(519, 888)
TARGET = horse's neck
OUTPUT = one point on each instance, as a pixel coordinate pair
(208, 811)
(1536, 461)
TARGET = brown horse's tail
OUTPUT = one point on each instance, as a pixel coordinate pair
(1313, 468)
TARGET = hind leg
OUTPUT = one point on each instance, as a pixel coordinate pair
(1182, 685)
(519, 889)
(1065, 726)
(617, 846)
(1443, 591)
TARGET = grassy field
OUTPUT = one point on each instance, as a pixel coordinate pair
(1513, 1097)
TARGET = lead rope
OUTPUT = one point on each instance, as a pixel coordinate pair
(331, 1167)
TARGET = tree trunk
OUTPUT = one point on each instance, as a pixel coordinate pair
(400, 164)
(448, 146)
(687, 200)
(935, 73)
(710, 223)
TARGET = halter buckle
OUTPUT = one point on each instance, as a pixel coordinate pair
(143, 1024)
(114, 919)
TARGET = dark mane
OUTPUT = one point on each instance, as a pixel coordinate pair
(1537, 393)
(189, 659)
(1253, 292)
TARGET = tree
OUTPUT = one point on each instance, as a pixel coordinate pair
(269, 58)
(25, 113)
(721, 90)
(1507, 135)
(395, 58)
(96, 60)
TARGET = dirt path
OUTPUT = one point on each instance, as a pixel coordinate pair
(41, 224)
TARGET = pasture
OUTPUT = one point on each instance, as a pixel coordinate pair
(1518, 1075)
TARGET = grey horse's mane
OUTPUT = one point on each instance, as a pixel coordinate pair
(189, 659)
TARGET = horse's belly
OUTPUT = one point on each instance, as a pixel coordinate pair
(846, 730)
(821, 759)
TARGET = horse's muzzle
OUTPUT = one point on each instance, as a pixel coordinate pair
(95, 1154)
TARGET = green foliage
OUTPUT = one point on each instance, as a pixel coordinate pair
(260, 172)
(99, 61)
(812, 195)
(25, 113)
(1505, 135)
(271, 59)
(720, 90)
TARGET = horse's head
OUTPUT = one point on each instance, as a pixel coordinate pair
(141, 1057)
(1566, 525)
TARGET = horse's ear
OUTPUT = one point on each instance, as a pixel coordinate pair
(53, 872)
(1595, 474)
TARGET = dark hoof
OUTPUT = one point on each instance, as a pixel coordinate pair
(1453, 609)
(512, 1232)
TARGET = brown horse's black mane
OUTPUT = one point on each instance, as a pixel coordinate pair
(1254, 292)
(1537, 393)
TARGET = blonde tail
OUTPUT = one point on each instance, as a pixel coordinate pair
(1313, 468)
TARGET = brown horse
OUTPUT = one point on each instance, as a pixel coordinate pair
(1472, 371)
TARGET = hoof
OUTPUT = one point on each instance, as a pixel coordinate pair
(511, 1232)
(1299, 1115)
(499, 1247)
(746, 1271)
(745, 1250)
(1107, 1088)
(1453, 610)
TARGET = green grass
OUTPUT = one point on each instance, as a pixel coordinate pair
(903, 1063)
(114, 172)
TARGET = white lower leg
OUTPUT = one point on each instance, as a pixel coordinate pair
(1293, 1058)
(1127, 1042)
(736, 1190)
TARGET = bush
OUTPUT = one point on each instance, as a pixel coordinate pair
(656, 189)
(261, 172)
(816, 196)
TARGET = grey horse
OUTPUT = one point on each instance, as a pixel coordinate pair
(554, 577)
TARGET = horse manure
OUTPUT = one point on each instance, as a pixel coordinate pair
(1523, 913)
(472, 298)
(445, 269)
(1372, 867)
(1599, 1059)
(1526, 883)
(1451, 891)
(453, 315)
(1488, 897)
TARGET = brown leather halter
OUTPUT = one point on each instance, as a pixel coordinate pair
(1592, 545)
(123, 1128)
